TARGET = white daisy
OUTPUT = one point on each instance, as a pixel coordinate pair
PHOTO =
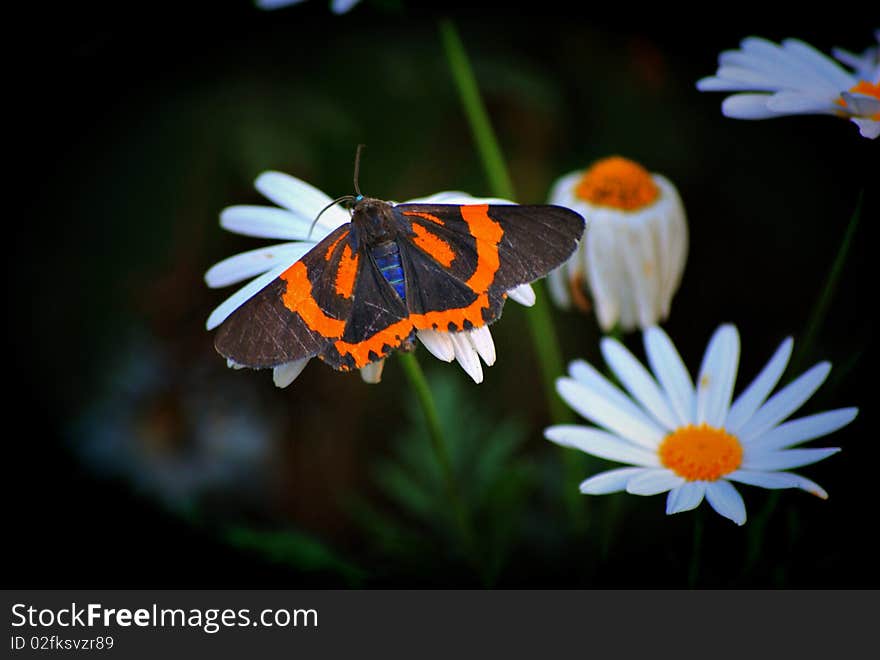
(630, 262)
(336, 6)
(300, 204)
(691, 441)
(793, 79)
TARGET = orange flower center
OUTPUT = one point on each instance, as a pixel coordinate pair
(866, 89)
(619, 183)
(700, 453)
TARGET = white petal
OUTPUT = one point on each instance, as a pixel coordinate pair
(670, 370)
(557, 282)
(467, 356)
(638, 382)
(686, 497)
(775, 480)
(276, 4)
(438, 344)
(612, 481)
(653, 481)
(806, 428)
(830, 72)
(785, 402)
(747, 106)
(601, 444)
(269, 222)
(284, 374)
(786, 459)
(868, 128)
(799, 103)
(605, 271)
(585, 374)
(241, 296)
(254, 262)
(481, 338)
(726, 500)
(524, 294)
(753, 396)
(717, 377)
(342, 6)
(372, 373)
(301, 198)
(608, 414)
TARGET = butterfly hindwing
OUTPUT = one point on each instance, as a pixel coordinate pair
(461, 260)
(298, 313)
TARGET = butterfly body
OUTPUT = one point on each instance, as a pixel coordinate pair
(371, 284)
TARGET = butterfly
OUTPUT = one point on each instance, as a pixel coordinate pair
(371, 284)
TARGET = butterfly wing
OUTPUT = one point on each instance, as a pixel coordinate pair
(460, 260)
(309, 311)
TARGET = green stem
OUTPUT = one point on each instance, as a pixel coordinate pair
(805, 347)
(820, 309)
(423, 392)
(539, 317)
(476, 113)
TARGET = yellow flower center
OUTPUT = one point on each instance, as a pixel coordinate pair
(700, 453)
(619, 183)
(867, 89)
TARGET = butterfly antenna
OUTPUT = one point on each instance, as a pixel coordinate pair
(333, 203)
(357, 168)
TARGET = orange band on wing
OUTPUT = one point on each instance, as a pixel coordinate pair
(329, 253)
(488, 234)
(298, 298)
(391, 336)
(426, 216)
(345, 276)
(433, 245)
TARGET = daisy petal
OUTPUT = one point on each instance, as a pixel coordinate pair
(747, 106)
(686, 497)
(372, 373)
(254, 262)
(639, 382)
(785, 402)
(653, 481)
(438, 344)
(241, 296)
(284, 374)
(524, 294)
(669, 368)
(786, 459)
(717, 376)
(726, 500)
(267, 222)
(869, 128)
(806, 428)
(585, 374)
(775, 480)
(753, 396)
(800, 103)
(601, 444)
(467, 356)
(296, 195)
(481, 338)
(608, 414)
(612, 481)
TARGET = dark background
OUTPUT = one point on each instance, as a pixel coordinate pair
(133, 125)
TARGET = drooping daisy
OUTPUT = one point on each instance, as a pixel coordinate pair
(300, 204)
(690, 441)
(794, 78)
(630, 262)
